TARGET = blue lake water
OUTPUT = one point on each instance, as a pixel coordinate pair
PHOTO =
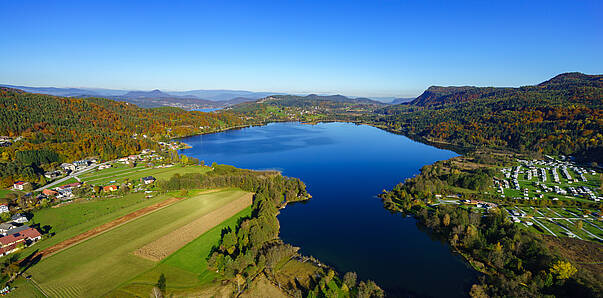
(207, 110)
(344, 225)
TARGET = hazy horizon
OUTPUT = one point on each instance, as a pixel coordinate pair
(389, 49)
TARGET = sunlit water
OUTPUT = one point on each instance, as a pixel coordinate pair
(344, 225)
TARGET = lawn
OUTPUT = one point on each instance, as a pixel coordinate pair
(186, 269)
(96, 266)
(4, 192)
(25, 288)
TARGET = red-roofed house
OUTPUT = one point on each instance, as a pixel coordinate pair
(12, 242)
(20, 185)
(31, 234)
(49, 192)
(70, 185)
(110, 188)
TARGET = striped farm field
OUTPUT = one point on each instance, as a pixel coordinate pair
(102, 263)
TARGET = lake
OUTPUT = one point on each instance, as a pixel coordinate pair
(345, 166)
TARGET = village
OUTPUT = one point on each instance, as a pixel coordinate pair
(532, 194)
(70, 181)
(556, 180)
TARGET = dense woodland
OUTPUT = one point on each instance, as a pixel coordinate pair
(561, 116)
(61, 129)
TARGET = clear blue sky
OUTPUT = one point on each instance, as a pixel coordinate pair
(372, 48)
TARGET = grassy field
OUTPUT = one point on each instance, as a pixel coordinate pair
(120, 173)
(4, 192)
(185, 270)
(561, 219)
(96, 266)
(75, 218)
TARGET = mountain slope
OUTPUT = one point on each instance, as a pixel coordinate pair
(438, 96)
(563, 115)
(80, 127)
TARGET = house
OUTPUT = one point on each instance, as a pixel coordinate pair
(104, 166)
(49, 192)
(14, 240)
(81, 163)
(147, 180)
(67, 167)
(19, 218)
(70, 185)
(52, 175)
(32, 234)
(110, 188)
(20, 185)
(5, 227)
(4, 208)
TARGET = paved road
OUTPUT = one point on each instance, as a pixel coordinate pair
(72, 175)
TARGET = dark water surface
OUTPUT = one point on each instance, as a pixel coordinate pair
(344, 225)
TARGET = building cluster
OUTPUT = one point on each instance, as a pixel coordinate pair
(14, 235)
(6, 141)
(145, 155)
(77, 165)
(539, 169)
(171, 145)
(480, 204)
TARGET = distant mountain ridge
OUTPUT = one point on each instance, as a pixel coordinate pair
(400, 100)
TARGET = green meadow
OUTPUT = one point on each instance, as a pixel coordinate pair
(96, 266)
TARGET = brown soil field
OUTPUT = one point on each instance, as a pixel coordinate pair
(105, 227)
(169, 243)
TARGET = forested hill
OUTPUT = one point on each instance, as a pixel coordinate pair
(80, 127)
(567, 82)
(314, 99)
(563, 115)
(311, 108)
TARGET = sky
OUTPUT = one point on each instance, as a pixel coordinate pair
(357, 48)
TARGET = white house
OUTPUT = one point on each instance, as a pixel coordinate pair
(19, 218)
(20, 185)
(3, 208)
(5, 227)
(148, 179)
(67, 167)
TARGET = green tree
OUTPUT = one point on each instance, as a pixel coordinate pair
(161, 283)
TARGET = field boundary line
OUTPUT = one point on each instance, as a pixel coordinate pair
(171, 242)
(103, 228)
